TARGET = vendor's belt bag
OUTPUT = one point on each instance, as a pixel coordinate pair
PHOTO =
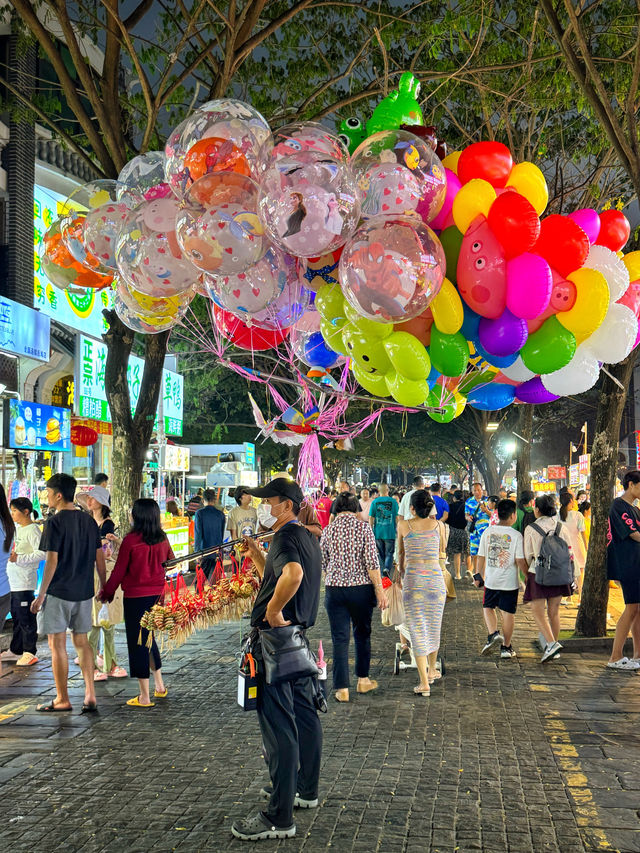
(286, 654)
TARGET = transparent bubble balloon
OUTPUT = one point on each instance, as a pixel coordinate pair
(392, 268)
(288, 307)
(252, 291)
(143, 177)
(302, 143)
(148, 254)
(218, 227)
(223, 135)
(309, 345)
(397, 172)
(62, 269)
(143, 324)
(143, 304)
(92, 217)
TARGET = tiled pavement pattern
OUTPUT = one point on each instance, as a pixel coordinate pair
(505, 756)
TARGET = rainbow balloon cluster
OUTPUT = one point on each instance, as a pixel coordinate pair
(434, 274)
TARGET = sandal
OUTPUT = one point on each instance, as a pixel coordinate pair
(436, 677)
(136, 703)
(161, 694)
(52, 708)
(420, 691)
(89, 708)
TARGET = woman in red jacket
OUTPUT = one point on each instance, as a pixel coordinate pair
(139, 571)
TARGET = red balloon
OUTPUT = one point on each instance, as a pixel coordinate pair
(614, 230)
(515, 223)
(490, 161)
(246, 337)
(562, 243)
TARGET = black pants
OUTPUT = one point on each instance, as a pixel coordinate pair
(292, 737)
(138, 651)
(347, 605)
(25, 627)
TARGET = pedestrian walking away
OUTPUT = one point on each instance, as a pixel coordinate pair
(420, 542)
(500, 558)
(623, 565)
(73, 546)
(209, 523)
(289, 595)
(458, 542)
(353, 588)
(383, 515)
(139, 570)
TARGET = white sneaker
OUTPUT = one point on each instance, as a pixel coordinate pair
(9, 656)
(624, 663)
(551, 651)
(26, 659)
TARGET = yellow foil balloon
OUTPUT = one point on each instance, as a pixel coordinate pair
(527, 179)
(590, 306)
(447, 310)
(407, 355)
(451, 161)
(460, 401)
(474, 199)
(632, 262)
(407, 392)
(373, 383)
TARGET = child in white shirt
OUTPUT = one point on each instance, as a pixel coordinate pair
(22, 570)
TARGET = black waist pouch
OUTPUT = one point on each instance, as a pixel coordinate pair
(286, 654)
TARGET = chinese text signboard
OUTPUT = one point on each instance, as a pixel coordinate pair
(557, 472)
(23, 331)
(80, 310)
(33, 426)
(574, 475)
(91, 398)
(584, 464)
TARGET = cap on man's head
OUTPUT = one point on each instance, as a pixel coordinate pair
(281, 487)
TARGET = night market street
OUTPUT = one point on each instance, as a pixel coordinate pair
(505, 755)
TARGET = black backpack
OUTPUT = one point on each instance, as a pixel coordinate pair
(554, 566)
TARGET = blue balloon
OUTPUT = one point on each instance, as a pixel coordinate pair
(470, 323)
(495, 360)
(433, 377)
(317, 353)
(491, 397)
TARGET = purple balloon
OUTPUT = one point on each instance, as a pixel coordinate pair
(588, 219)
(505, 335)
(533, 391)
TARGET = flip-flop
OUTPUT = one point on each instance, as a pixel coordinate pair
(161, 694)
(89, 708)
(52, 709)
(136, 703)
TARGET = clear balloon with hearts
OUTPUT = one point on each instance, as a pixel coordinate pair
(397, 172)
(143, 177)
(218, 227)
(145, 324)
(252, 291)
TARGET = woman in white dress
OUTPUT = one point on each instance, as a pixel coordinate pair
(575, 524)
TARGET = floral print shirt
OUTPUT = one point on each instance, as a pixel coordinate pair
(349, 551)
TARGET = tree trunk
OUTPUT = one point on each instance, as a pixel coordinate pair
(592, 613)
(131, 433)
(523, 460)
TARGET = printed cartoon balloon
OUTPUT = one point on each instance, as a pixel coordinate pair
(61, 267)
(250, 292)
(392, 268)
(143, 177)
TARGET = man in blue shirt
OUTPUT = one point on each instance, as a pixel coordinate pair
(209, 529)
(383, 513)
(442, 507)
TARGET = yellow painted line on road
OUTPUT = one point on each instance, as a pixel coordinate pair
(10, 709)
(569, 762)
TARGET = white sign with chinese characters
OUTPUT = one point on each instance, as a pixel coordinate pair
(91, 397)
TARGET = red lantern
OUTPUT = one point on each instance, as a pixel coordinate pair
(83, 436)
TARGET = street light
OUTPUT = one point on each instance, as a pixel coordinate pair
(510, 447)
(492, 426)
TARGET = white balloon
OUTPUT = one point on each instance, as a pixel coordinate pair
(518, 372)
(612, 268)
(613, 340)
(576, 377)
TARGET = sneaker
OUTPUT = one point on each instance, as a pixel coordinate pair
(492, 640)
(298, 802)
(257, 828)
(551, 651)
(507, 652)
(26, 659)
(624, 663)
(9, 656)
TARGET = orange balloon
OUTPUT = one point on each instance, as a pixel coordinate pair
(419, 327)
(213, 154)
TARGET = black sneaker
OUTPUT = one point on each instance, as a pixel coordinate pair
(492, 640)
(257, 828)
(507, 652)
(298, 802)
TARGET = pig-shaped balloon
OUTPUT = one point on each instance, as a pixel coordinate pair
(482, 270)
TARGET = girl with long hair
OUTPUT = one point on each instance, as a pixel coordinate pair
(575, 524)
(22, 569)
(7, 533)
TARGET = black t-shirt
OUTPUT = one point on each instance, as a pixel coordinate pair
(456, 517)
(623, 553)
(75, 537)
(107, 526)
(293, 543)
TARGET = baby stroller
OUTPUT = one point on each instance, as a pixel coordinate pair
(400, 664)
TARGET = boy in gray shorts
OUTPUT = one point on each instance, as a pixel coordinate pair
(74, 548)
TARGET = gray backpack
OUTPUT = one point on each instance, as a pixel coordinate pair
(553, 566)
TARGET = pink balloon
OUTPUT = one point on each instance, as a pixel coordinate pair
(529, 285)
(453, 185)
(588, 219)
(482, 270)
(631, 297)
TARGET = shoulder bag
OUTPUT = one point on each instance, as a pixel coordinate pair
(286, 654)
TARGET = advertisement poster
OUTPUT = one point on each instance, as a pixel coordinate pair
(81, 310)
(33, 426)
(556, 472)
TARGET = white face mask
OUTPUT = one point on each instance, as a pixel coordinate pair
(265, 516)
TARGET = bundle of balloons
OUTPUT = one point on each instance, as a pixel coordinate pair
(433, 273)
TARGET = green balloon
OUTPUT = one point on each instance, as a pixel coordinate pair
(407, 392)
(449, 353)
(329, 302)
(374, 383)
(399, 107)
(451, 240)
(550, 348)
(363, 324)
(332, 334)
(434, 399)
(408, 356)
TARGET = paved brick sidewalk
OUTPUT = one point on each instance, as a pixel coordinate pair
(504, 756)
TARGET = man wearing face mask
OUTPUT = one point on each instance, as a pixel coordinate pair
(291, 731)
